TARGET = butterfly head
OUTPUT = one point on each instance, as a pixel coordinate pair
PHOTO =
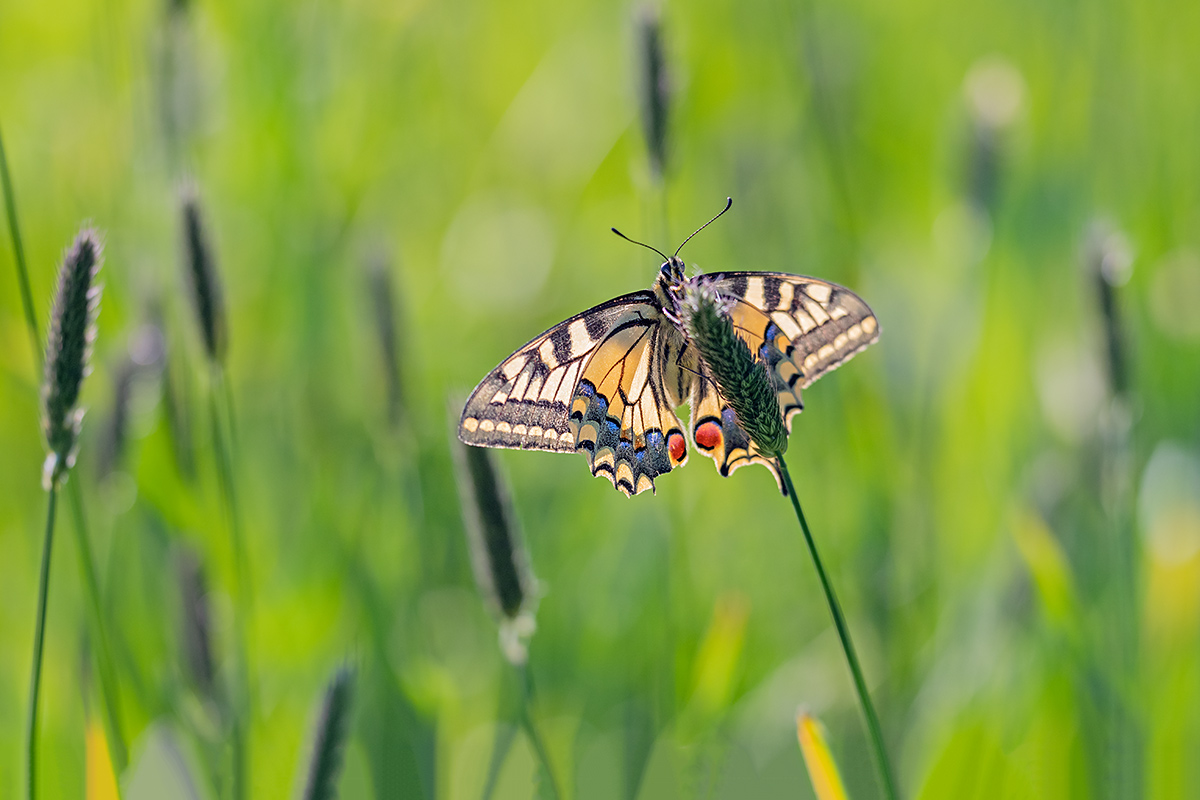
(671, 272)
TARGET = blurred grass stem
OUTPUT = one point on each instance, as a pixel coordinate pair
(884, 766)
(117, 751)
(505, 736)
(39, 634)
(535, 739)
(14, 231)
(224, 464)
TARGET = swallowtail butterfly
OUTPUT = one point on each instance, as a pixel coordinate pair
(606, 382)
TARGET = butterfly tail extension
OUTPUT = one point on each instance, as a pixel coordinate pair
(718, 434)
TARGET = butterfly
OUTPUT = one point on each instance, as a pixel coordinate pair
(606, 382)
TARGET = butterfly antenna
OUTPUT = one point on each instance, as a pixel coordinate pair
(728, 204)
(643, 244)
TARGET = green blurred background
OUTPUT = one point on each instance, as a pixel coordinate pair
(1012, 523)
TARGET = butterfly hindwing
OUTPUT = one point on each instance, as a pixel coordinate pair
(801, 327)
(718, 433)
(526, 401)
(621, 417)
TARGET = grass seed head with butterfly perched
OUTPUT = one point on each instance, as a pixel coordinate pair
(606, 382)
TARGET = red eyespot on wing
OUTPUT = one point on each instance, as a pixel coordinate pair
(676, 446)
(708, 435)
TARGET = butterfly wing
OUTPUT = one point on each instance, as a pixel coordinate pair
(717, 432)
(622, 416)
(592, 383)
(801, 328)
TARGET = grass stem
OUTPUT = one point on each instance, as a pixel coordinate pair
(39, 635)
(886, 780)
(14, 231)
(224, 462)
(535, 739)
(117, 750)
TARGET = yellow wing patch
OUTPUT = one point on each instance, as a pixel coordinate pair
(801, 327)
(620, 416)
(526, 401)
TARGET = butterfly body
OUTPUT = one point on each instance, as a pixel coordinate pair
(606, 382)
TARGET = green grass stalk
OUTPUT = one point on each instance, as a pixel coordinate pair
(14, 231)
(39, 635)
(506, 735)
(117, 751)
(530, 728)
(500, 748)
(329, 738)
(224, 463)
(886, 779)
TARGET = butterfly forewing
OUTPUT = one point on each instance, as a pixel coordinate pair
(526, 401)
(802, 327)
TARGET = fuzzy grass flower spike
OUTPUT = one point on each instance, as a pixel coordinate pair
(68, 351)
(742, 379)
(499, 559)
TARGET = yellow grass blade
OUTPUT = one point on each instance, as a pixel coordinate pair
(101, 782)
(826, 781)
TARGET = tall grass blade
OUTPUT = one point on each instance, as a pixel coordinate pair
(14, 232)
(330, 736)
(381, 293)
(822, 769)
(101, 783)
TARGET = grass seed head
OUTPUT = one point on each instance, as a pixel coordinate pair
(68, 352)
(654, 88)
(994, 95)
(742, 379)
(203, 281)
(1109, 262)
(197, 626)
(113, 436)
(145, 353)
(498, 557)
(381, 292)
